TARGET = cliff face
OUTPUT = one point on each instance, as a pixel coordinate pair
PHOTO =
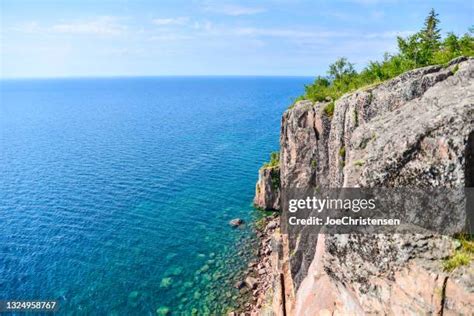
(267, 190)
(414, 130)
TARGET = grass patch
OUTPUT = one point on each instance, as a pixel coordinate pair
(463, 255)
(329, 109)
(342, 152)
(355, 116)
(455, 69)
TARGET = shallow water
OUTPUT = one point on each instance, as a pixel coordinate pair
(115, 194)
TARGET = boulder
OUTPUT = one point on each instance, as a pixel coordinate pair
(251, 282)
(236, 222)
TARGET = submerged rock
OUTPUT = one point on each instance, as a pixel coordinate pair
(236, 222)
(133, 298)
(174, 271)
(166, 282)
(163, 311)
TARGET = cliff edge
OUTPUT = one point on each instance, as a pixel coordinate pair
(414, 130)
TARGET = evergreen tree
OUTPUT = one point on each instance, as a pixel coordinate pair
(431, 34)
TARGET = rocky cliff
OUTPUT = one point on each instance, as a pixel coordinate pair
(416, 129)
(267, 190)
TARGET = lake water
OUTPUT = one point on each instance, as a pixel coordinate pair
(115, 194)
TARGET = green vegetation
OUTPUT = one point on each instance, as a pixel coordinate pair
(359, 163)
(329, 109)
(274, 160)
(463, 255)
(455, 69)
(275, 176)
(262, 219)
(342, 152)
(423, 48)
(355, 116)
(260, 224)
(273, 164)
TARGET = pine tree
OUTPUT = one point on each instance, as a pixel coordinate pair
(431, 34)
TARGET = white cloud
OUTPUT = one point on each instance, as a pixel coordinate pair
(388, 34)
(232, 9)
(275, 32)
(203, 25)
(101, 26)
(365, 2)
(169, 37)
(27, 27)
(170, 21)
(321, 34)
(105, 25)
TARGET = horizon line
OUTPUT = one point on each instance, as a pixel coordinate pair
(148, 76)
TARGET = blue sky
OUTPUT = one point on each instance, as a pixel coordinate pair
(136, 38)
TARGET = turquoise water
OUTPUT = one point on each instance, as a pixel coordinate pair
(115, 194)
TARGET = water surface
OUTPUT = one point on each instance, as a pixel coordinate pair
(115, 193)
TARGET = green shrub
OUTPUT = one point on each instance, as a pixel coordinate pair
(457, 260)
(274, 160)
(463, 255)
(423, 48)
(275, 177)
(329, 109)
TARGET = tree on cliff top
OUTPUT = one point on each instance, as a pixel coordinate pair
(423, 48)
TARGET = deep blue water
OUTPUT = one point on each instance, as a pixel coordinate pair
(115, 194)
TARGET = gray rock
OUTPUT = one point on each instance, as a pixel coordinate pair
(414, 130)
(272, 225)
(236, 222)
(251, 282)
(267, 190)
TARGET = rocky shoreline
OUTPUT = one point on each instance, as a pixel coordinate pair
(258, 280)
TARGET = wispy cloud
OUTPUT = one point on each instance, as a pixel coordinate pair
(27, 27)
(276, 32)
(203, 25)
(207, 28)
(171, 21)
(169, 37)
(232, 9)
(388, 34)
(105, 25)
(373, 2)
